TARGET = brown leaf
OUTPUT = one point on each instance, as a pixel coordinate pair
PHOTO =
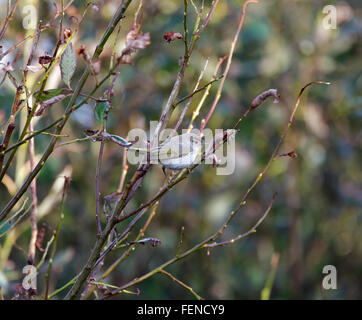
(135, 40)
(44, 59)
(171, 36)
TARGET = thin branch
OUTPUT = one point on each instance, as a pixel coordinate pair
(228, 64)
(55, 235)
(175, 90)
(186, 32)
(124, 171)
(190, 96)
(124, 256)
(245, 234)
(8, 19)
(76, 107)
(34, 206)
(98, 172)
(182, 284)
(31, 36)
(205, 95)
(179, 246)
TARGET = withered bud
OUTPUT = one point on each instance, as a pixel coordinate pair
(67, 32)
(90, 132)
(291, 154)
(263, 96)
(82, 51)
(170, 36)
(44, 59)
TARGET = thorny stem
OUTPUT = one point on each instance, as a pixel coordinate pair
(190, 96)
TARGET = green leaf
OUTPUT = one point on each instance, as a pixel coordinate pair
(68, 64)
(48, 94)
(101, 111)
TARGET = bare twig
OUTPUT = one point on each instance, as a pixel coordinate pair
(98, 172)
(245, 234)
(204, 96)
(124, 171)
(8, 19)
(182, 284)
(189, 97)
(228, 64)
(55, 235)
(125, 255)
(34, 206)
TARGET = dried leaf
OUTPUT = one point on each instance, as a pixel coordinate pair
(170, 36)
(44, 59)
(135, 40)
(68, 64)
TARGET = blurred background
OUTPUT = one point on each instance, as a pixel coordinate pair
(316, 219)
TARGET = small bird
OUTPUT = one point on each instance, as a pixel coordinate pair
(179, 152)
(185, 150)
